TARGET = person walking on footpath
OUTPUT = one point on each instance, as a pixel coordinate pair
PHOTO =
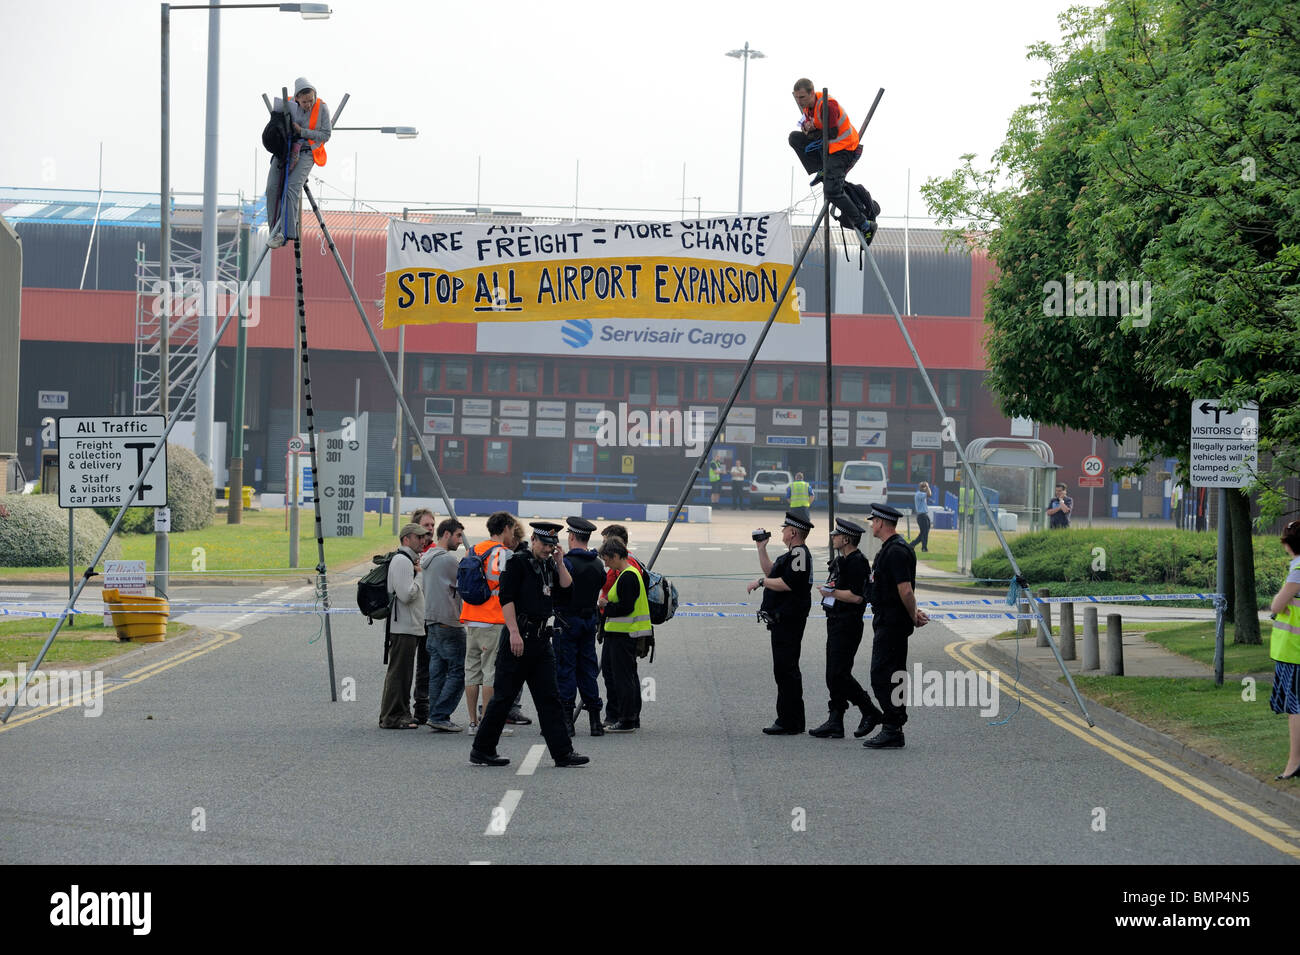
(406, 627)
(309, 119)
(1284, 648)
(921, 508)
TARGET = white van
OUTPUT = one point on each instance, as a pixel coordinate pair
(862, 482)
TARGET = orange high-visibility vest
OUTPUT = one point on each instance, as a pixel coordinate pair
(318, 152)
(846, 137)
(489, 612)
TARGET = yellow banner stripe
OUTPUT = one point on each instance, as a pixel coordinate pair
(674, 289)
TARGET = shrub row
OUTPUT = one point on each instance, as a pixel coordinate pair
(34, 533)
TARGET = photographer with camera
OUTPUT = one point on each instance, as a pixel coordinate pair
(530, 583)
(787, 599)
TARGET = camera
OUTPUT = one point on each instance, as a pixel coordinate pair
(761, 535)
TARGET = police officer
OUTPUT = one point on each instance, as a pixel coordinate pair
(530, 583)
(844, 595)
(575, 628)
(801, 497)
(787, 599)
(894, 617)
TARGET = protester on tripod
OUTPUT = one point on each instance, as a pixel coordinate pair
(844, 149)
(309, 120)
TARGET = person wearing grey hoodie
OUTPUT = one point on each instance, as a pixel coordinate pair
(309, 118)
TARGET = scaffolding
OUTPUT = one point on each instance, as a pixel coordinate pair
(183, 308)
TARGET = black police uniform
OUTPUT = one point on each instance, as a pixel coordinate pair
(787, 614)
(844, 625)
(532, 586)
(892, 624)
(575, 632)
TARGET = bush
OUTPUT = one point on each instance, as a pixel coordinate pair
(34, 533)
(1160, 560)
(136, 520)
(190, 492)
(190, 495)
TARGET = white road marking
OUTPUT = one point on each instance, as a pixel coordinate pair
(710, 548)
(529, 765)
(502, 813)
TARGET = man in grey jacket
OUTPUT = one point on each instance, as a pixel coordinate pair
(309, 120)
(444, 634)
(406, 627)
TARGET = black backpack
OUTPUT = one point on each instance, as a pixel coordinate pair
(867, 207)
(374, 599)
(273, 137)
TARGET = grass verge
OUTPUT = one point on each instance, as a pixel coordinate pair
(87, 643)
(261, 542)
(1220, 721)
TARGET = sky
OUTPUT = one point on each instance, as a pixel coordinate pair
(520, 105)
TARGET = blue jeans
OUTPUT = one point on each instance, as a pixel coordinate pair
(446, 669)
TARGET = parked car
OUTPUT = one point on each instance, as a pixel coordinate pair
(862, 483)
(767, 487)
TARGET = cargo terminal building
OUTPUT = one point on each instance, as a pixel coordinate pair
(578, 410)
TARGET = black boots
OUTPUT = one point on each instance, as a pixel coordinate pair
(833, 728)
(597, 727)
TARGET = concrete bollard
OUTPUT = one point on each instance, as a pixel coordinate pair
(1091, 654)
(1067, 632)
(1114, 646)
(1046, 611)
(1023, 627)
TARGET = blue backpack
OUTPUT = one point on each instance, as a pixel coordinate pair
(471, 581)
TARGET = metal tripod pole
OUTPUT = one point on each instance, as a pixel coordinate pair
(374, 340)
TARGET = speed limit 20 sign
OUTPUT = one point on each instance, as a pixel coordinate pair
(1093, 469)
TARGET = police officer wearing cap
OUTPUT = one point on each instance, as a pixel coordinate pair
(787, 599)
(530, 584)
(576, 617)
(894, 617)
(845, 595)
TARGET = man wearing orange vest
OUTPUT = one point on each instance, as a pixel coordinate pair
(844, 148)
(310, 119)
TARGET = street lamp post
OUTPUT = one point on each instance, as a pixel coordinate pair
(207, 326)
(745, 54)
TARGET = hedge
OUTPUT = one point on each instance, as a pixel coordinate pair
(34, 532)
(1161, 560)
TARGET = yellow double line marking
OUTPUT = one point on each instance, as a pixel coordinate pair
(223, 638)
(1282, 837)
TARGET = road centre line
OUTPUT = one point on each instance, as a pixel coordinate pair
(1149, 765)
(502, 813)
(529, 765)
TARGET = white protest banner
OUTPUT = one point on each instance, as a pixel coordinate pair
(726, 269)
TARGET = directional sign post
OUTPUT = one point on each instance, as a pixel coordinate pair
(343, 480)
(1224, 454)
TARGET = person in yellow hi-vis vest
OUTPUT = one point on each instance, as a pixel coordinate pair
(801, 496)
(626, 622)
(1284, 648)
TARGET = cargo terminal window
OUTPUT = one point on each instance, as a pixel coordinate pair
(430, 374)
(455, 375)
(528, 378)
(496, 456)
(724, 379)
(767, 385)
(880, 390)
(568, 381)
(666, 392)
(497, 376)
(810, 386)
(600, 381)
(851, 387)
(638, 386)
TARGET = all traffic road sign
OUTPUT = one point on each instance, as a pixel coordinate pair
(101, 458)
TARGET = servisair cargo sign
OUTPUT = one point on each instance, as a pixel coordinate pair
(618, 275)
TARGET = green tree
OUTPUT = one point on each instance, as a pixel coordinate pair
(1163, 149)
